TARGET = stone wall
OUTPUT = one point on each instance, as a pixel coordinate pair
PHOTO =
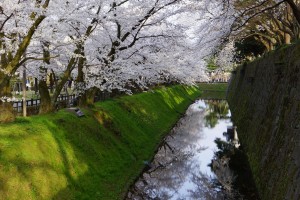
(264, 97)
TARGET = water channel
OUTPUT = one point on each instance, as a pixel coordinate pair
(189, 165)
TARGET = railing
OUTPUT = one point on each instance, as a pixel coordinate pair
(33, 105)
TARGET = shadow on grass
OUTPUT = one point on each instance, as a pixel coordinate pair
(148, 117)
(142, 121)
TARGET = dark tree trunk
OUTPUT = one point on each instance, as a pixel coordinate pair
(6, 108)
(36, 88)
(51, 82)
(88, 98)
(46, 105)
(295, 8)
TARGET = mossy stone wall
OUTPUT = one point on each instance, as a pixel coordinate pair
(264, 98)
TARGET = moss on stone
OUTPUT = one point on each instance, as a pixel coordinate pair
(263, 111)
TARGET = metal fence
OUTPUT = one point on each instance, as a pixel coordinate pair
(33, 105)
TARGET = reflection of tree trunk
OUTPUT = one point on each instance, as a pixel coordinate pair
(46, 106)
(6, 108)
(225, 176)
(165, 144)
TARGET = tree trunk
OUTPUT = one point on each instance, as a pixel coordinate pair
(6, 108)
(287, 38)
(88, 97)
(295, 8)
(46, 105)
(82, 101)
(51, 82)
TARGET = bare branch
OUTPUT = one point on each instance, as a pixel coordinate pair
(2, 25)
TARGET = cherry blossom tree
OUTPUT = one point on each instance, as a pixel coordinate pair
(18, 21)
(157, 44)
(69, 30)
(109, 45)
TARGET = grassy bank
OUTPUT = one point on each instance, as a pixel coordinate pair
(213, 91)
(61, 156)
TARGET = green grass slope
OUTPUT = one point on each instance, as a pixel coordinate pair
(98, 156)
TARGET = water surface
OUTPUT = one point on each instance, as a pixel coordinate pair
(180, 169)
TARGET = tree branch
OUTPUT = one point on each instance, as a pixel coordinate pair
(1, 27)
(256, 14)
(34, 58)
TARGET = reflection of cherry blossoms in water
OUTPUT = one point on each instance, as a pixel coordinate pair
(180, 169)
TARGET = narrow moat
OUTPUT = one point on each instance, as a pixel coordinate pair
(198, 160)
